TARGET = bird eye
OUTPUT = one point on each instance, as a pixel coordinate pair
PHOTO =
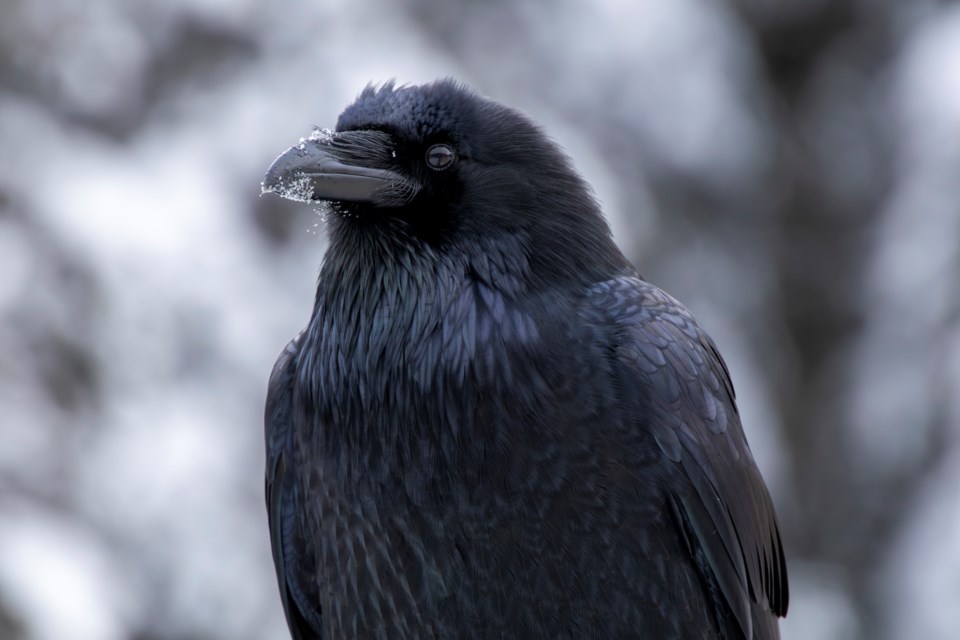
(440, 157)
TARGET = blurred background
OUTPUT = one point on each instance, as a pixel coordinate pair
(790, 169)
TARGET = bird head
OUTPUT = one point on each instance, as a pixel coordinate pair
(447, 165)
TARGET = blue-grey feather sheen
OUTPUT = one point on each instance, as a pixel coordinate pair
(398, 355)
(403, 382)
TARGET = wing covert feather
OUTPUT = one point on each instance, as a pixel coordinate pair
(291, 554)
(691, 408)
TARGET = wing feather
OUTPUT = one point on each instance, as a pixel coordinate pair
(292, 556)
(716, 488)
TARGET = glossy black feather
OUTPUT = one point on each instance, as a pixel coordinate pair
(493, 428)
(686, 391)
(292, 555)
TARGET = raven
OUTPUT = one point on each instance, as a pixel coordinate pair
(492, 426)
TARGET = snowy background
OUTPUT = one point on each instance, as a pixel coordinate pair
(788, 168)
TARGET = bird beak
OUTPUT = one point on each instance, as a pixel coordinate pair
(350, 166)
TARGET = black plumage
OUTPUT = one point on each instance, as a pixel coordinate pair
(492, 427)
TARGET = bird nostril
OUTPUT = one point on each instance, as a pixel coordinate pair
(440, 157)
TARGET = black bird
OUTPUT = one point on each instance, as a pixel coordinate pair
(492, 427)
